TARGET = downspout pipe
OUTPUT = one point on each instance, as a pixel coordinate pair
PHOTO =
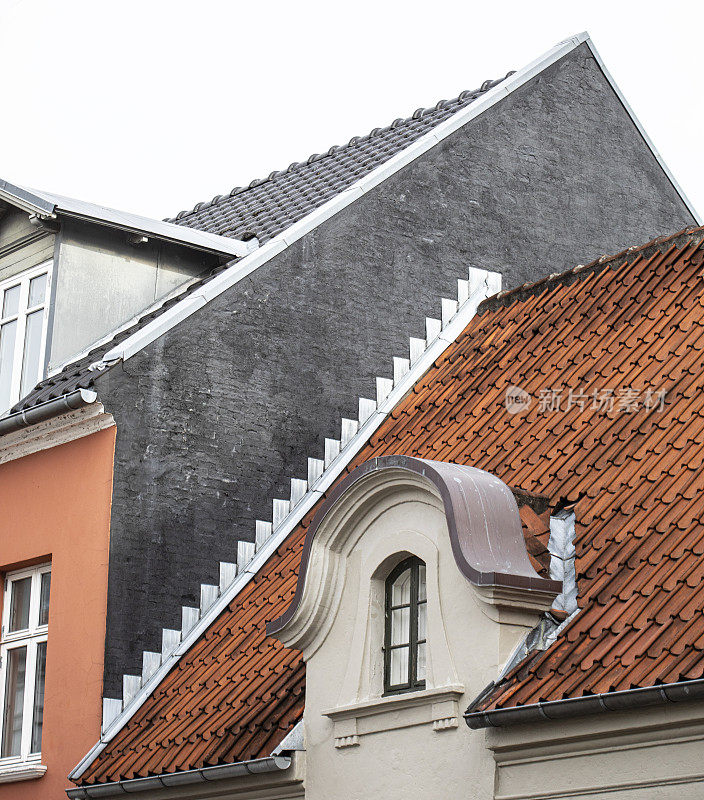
(44, 411)
(626, 700)
(256, 766)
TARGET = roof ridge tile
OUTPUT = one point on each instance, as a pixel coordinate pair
(464, 97)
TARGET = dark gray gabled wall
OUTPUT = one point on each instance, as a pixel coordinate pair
(216, 416)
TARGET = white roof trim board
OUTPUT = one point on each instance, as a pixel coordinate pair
(287, 514)
(355, 433)
(692, 210)
(47, 206)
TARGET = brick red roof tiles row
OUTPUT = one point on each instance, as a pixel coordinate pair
(611, 357)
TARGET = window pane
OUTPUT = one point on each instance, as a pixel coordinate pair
(11, 301)
(421, 582)
(14, 701)
(19, 604)
(399, 666)
(422, 611)
(38, 714)
(32, 355)
(44, 599)
(420, 666)
(8, 332)
(400, 626)
(37, 290)
(401, 590)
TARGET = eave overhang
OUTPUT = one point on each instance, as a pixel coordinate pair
(588, 705)
(189, 777)
(45, 411)
(46, 207)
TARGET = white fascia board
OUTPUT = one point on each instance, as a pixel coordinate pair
(326, 480)
(47, 204)
(26, 200)
(165, 231)
(641, 130)
(247, 265)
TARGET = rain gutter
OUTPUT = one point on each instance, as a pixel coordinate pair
(47, 410)
(257, 766)
(555, 710)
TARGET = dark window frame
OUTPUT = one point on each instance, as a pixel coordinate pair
(412, 684)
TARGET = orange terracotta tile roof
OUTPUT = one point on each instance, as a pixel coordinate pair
(627, 457)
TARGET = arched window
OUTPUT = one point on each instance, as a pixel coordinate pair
(404, 645)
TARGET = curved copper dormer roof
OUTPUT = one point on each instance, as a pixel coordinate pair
(482, 519)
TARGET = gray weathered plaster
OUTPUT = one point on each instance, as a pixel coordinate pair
(214, 417)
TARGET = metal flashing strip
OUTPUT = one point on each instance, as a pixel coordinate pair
(247, 265)
(257, 766)
(27, 201)
(641, 130)
(626, 700)
(338, 456)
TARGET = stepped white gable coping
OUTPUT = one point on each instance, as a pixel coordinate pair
(287, 513)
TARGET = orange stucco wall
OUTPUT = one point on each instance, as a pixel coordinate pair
(55, 505)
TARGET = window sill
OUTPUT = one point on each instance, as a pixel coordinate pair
(438, 707)
(13, 770)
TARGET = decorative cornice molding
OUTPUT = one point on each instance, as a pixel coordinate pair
(54, 432)
(438, 707)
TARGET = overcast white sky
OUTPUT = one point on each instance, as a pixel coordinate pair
(154, 105)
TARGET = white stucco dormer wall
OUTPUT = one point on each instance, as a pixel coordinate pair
(360, 744)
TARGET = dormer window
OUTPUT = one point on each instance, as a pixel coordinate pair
(23, 323)
(404, 646)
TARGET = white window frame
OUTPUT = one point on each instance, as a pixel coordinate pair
(23, 280)
(27, 764)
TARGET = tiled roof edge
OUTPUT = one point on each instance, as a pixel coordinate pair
(355, 141)
(288, 513)
(566, 45)
(574, 274)
(585, 705)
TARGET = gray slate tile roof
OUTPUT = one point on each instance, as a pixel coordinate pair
(267, 207)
